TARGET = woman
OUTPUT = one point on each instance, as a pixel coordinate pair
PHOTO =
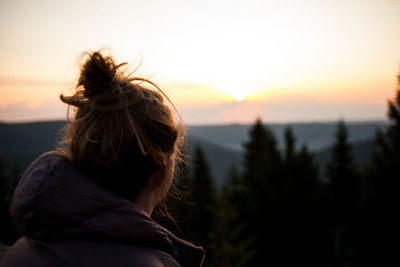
(89, 203)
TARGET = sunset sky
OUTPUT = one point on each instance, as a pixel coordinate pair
(220, 61)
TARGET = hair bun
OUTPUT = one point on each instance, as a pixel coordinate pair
(98, 75)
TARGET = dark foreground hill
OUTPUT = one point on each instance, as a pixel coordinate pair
(21, 143)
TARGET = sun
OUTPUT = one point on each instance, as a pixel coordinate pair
(239, 96)
(235, 91)
(239, 93)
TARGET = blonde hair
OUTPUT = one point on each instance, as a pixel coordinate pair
(121, 131)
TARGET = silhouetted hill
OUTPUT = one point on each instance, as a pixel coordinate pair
(21, 143)
(317, 136)
(219, 158)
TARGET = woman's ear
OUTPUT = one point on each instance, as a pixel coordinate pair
(170, 169)
(162, 177)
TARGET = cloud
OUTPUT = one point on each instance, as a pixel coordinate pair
(22, 112)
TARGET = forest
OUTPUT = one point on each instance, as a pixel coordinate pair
(276, 209)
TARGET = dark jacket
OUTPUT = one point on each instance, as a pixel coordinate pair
(67, 219)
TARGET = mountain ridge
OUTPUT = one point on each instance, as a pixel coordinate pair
(21, 143)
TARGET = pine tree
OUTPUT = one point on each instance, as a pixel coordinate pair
(262, 161)
(343, 176)
(230, 245)
(300, 175)
(201, 213)
(300, 171)
(386, 158)
(381, 184)
(341, 172)
(290, 142)
(303, 235)
(261, 186)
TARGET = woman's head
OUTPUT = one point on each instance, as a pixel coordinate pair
(122, 132)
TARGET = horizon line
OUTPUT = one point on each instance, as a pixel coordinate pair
(327, 121)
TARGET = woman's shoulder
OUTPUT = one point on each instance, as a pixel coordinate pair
(81, 252)
(45, 164)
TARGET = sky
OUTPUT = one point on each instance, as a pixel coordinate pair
(219, 61)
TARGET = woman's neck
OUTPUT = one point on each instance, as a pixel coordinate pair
(147, 201)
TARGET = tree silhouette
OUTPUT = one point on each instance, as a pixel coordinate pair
(230, 244)
(344, 194)
(341, 172)
(200, 221)
(300, 216)
(386, 158)
(261, 187)
(381, 194)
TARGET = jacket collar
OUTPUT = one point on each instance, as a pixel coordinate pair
(54, 201)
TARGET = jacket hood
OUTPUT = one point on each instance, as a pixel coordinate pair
(54, 201)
